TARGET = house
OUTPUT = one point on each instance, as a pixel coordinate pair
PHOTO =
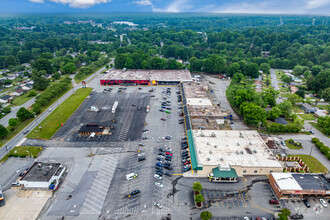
(319, 113)
(5, 99)
(25, 88)
(308, 108)
(20, 91)
(47, 76)
(293, 89)
(281, 121)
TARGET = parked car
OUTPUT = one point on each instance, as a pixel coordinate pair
(141, 159)
(160, 185)
(307, 204)
(159, 164)
(297, 216)
(274, 201)
(163, 119)
(135, 192)
(161, 149)
(15, 184)
(168, 174)
(323, 202)
(158, 205)
(158, 177)
(141, 154)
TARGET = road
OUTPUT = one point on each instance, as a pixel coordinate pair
(12, 114)
(275, 83)
(15, 140)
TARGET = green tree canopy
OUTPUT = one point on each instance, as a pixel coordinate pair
(23, 114)
(206, 215)
(12, 122)
(199, 198)
(3, 131)
(274, 113)
(197, 186)
(286, 108)
(69, 68)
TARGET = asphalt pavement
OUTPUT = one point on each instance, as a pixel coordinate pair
(19, 137)
(275, 83)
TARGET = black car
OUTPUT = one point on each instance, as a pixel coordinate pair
(307, 204)
(141, 159)
(158, 168)
(297, 216)
(160, 159)
(162, 154)
(135, 192)
(159, 173)
(168, 156)
(168, 167)
(168, 174)
(186, 169)
(161, 110)
(185, 156)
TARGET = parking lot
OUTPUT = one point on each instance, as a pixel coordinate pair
(128, 119)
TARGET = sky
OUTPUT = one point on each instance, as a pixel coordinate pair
(313, 7)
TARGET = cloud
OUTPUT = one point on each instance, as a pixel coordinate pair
(272, 7)
(75, 3)
(311, 4)
(143, 2)
(175, 6)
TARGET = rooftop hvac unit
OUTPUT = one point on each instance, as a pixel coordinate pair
(254, 151)
(241, 152)
(210, 152)
(238, 144)
(213, 134)
(215, 146)
(221, 159)
(250, 143)
(39, 164)
(208, 159)
(199, 151)
(202, 135)
(237, 152)
(207, 143)
(50, 167)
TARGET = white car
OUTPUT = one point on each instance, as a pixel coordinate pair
(158, 205)
(246, 218)
(323, 202)
(158, 177)
(159, 184)
(141, 154)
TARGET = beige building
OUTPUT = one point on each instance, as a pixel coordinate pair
(244, 151)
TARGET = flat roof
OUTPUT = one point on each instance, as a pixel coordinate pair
(233, 147)
(199, 101)
(301, 181)
(208, 110)
(195, 90)
(157, 75)
(209, 124)
(41, 173)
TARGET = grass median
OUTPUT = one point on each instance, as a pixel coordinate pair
(48, 127)
(314, 165)
(291, 146)
(22, 151)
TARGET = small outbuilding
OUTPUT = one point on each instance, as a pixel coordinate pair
(308, 108)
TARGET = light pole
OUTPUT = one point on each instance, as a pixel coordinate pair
(310, 153)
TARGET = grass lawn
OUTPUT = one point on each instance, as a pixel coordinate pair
(279, 74)
(307, 116)
(21, 151)
(314, 165)
(291, 146)
(315, 125)
(20, 100)
(297, 109)
(52, 123)
(324, 107)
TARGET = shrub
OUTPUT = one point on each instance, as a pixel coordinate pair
(206, 215)
(197, 187)
(199, 198)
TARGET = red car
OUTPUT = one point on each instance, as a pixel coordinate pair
(181, 114)
(163, 119)
(187, 162)
(168, 153)
(273, 201)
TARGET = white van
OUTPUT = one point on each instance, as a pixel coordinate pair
(131, 176)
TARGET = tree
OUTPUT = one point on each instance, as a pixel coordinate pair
(265, 68)
(293, 98)
(40, 83)
(206, 215)
(23, 114)
(32, 93)
(237, 77)
(233, 68)
(274, 113)
(3, 131)
(269, 96)
(7, 81)
(301, 93)
(215, 64)
(69, 68)
(6, 109)
(252, 70)
(253, 114)
(285, 212)
(268, 82)
(199, 198)
(56, 76)
(316, 69)
(12, 122)
(11, 60)
(298, 70)
(286, 79)
(197, 187)
(43, 64)
(286, 108)
(326, 94)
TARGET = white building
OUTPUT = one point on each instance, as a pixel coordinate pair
(43, 175)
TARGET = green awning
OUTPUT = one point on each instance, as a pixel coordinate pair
(193, 156)
(217, 173)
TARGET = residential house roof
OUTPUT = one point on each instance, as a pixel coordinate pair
(6, 97)
(281, 121)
